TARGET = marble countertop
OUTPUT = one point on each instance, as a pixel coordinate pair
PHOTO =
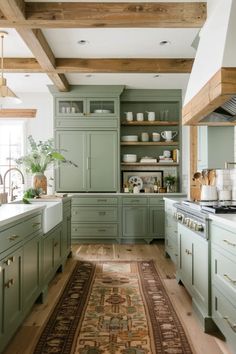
(179, 198)
(12, 212)
(224, 219)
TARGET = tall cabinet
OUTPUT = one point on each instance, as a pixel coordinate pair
(86, 126)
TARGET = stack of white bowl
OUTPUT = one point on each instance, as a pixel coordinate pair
(129, 158)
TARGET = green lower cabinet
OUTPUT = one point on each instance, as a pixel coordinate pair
(194, 272)
(135, 222)
(11, 294)
(157, 222)
(66, 231)
(31, 271)
(51, 252)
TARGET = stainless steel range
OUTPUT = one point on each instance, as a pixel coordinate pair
(191, 215)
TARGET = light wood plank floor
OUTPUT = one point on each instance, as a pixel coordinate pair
(25, 338)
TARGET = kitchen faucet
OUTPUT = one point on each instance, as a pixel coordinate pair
(4, 179)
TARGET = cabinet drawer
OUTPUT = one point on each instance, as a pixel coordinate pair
(224, 272)
(9, 237)
(94, 214)
(94, 230)
(157, 201)
(95, 201)
(135, 200)
(224, 238)
(224, 315)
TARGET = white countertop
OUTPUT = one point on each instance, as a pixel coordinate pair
(178, 198)
(224, 219)
(12, 212)
(166, 195)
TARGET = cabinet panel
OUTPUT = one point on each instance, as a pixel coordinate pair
(94, 230)
(47, 256)
(66, 230)
(185, 256)
(103, 161)
(69, 178)
(102, 200)
(31, 270)
(157, 222)
(135, 221)
(12, 288)
(134, 200)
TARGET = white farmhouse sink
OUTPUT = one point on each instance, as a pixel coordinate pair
(52, 212)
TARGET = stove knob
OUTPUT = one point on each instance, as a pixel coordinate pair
(179, 217)
(187, 221)
(192, 225)
(200, 228)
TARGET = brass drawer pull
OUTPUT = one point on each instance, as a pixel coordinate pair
(230, 243)
(101, 230)
(232, 325)
(13, 237)
(36, 224)
(102, 213)
(188, 252)
(230, 279)
(102, 200)
(9, 283)
(9, 260)
(55, 244)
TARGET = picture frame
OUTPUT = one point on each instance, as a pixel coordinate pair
(143, 179)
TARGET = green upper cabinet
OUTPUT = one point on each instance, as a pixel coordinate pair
(96, 153)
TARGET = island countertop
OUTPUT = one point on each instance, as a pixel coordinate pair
(12, 212)
(224, 219)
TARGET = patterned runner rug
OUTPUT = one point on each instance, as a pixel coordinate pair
(114, 307)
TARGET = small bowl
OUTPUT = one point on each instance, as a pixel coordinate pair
(129, 138)
(129, 158)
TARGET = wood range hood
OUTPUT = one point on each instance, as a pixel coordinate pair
(215, 103)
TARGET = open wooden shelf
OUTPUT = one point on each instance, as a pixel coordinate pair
(148, 123)
(149, 143)
(149, 164)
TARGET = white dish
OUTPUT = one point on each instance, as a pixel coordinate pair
(129, 138)
(102, 111)
(136, 181)
(129, 158)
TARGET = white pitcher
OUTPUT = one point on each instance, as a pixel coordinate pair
(168, 135)
(151, 116)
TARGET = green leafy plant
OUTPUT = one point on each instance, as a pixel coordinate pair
(170, 180)
(32, 193)
(41, 156)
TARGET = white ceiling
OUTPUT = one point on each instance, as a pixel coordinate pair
(106, 43)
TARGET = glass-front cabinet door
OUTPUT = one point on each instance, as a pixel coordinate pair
(70, 107)
(103, 108)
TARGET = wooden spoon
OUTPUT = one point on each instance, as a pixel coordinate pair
(212, 177)
(205, 177)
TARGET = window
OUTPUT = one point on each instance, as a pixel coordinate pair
(11, 147)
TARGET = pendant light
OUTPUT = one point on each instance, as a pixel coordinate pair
(6, 94)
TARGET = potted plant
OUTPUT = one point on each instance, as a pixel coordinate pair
(41, 156)
(169, 182)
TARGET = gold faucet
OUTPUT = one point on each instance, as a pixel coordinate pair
(4, 179)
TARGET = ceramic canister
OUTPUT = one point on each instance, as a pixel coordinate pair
(139, 117)
(144, 136)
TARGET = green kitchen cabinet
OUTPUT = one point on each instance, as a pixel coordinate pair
(11, 293)
(51, 252)
(31, 271)
(223, 274)
(96, 154)
(157, 222)
(194, 271)
(66, 230)
(135, 222)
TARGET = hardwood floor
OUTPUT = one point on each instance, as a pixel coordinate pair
(24, 340)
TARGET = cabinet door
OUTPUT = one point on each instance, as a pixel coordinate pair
(157, 222)
(57, 235)
(66, 233)
(47, 256)
(103, 160)
(135, 221)
(70, 107)
(70, 178)
(102, 107)
(200, 280)
(12, 291)
(185, 256)
(31, 270)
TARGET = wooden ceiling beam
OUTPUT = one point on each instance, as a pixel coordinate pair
(122, 65)
(102, 15)
(14, 10)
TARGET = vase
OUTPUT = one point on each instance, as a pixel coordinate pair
(39, 181)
